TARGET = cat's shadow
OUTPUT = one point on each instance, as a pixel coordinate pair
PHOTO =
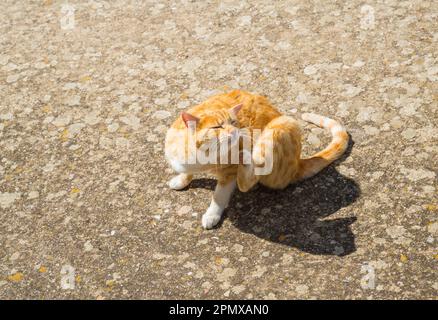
(298, 216)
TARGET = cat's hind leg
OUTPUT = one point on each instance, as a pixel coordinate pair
(246, 177)
(276, 153)
(180, 181)
(221, 198)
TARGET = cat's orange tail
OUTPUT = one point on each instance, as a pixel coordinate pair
(338, 145)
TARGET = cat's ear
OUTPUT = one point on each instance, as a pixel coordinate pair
(187, 118)
(235, 110)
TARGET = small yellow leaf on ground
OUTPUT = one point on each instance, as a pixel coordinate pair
(42, 269)
(403, 258)
(16, 277)
(435, 256)
(64, 135)
(218, 260)
(431, 207)
(47, 109)
(110, 283)
(78, 279)
(85, 79)
(75, 190)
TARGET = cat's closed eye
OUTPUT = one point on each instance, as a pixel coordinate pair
(219, 126)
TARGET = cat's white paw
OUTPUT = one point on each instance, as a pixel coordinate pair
(179, 182)
(210, 219)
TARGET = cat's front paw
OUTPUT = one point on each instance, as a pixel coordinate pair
(210, 219)
(180, 181)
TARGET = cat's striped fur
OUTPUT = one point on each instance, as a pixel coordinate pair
(251, 112)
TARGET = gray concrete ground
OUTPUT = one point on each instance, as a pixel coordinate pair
(86, 96)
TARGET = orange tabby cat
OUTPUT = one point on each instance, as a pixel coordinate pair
(223, 120)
